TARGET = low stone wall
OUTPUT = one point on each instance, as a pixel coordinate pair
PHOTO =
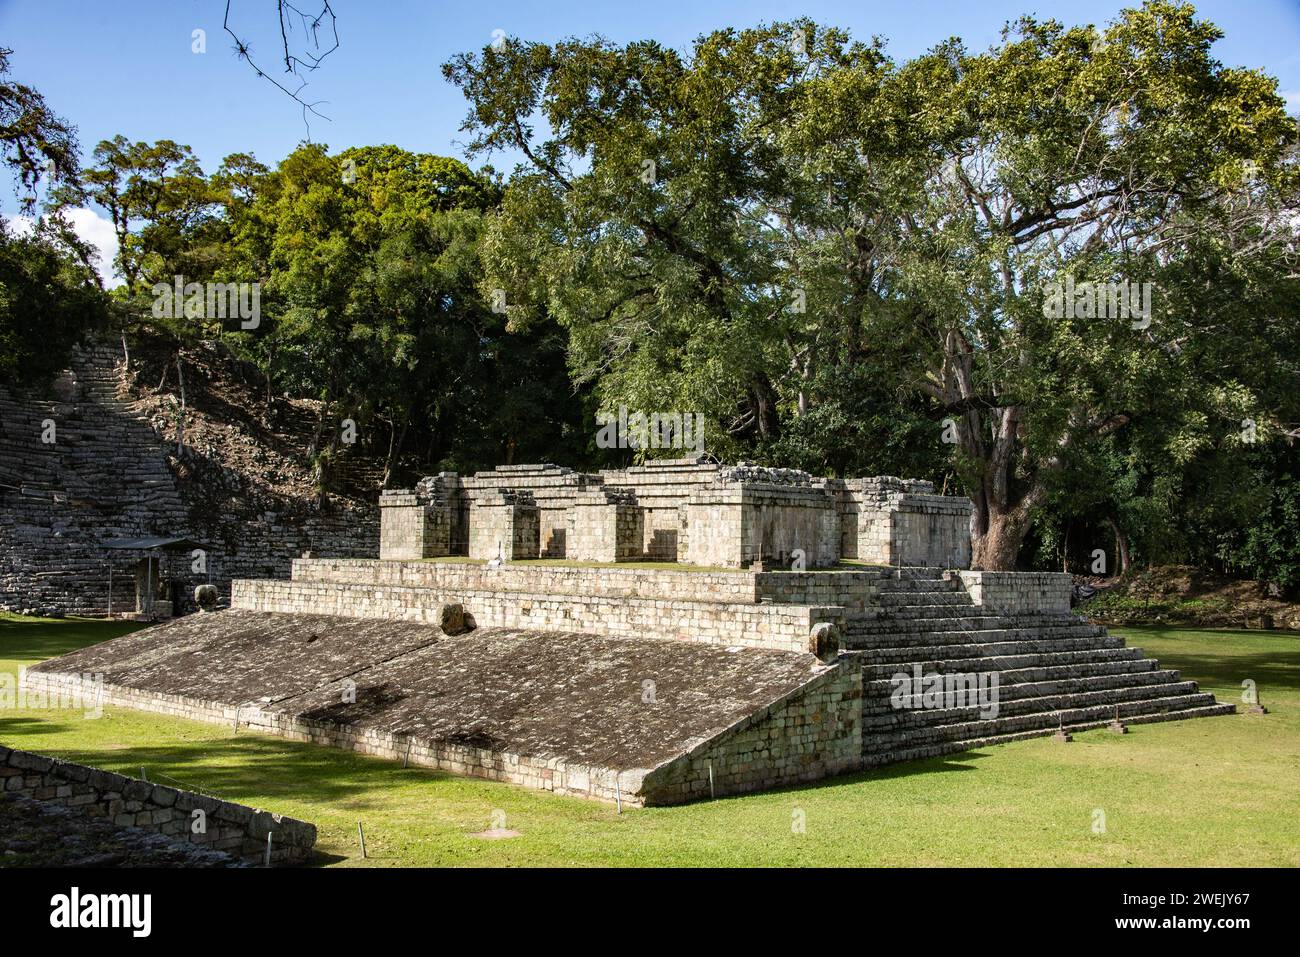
(1018, 593)
(132, 802)
(629, 582)
(783, 627)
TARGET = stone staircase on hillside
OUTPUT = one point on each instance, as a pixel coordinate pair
(1053, 671)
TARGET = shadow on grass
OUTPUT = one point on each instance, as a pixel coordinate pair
(35, 639)
(1279, 671)
(236, 767)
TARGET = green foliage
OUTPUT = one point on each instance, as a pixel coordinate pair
(47, 304)
(35, 143)
(783, 222)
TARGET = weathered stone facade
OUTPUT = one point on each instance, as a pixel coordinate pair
(506, 524)
(605, 525)
(682, 510)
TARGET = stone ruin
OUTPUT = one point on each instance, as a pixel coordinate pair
(628, 672)
(689, 511)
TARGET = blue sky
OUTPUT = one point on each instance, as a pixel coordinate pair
(126, 66)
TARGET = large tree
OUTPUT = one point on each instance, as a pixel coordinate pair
(783, 213)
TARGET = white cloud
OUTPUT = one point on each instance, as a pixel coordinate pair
(98, 231)
(90, 227)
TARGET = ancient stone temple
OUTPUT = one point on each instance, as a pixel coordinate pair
(664, 633)
(681, 510)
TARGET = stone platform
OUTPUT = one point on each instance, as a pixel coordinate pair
(640, 721)
(641, 684)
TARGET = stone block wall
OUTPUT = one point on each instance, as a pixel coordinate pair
(409, 529)
(632, 581)
(890, 521)
(605, 526)
(730, 525)
(697, 512)
(552, 488)
(133, 802)
(662, 487)
(781, 627)
(1018, 593)
(504, 523)
(812, 733)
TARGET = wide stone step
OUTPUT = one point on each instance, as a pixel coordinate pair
(876, 694)
(1011, 662)
(925, 599)
(937, 749)
(919, 639)
(1043, 721)
(920, 721)
(898, 624)
(990, 649)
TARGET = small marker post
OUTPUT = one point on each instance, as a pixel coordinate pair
(361, 834)
(1116, 725)
(712, 796)
(268, 849)
(1060, 730)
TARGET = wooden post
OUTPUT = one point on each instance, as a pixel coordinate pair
(361, 834)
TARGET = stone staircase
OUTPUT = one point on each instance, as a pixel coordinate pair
(1053, 671)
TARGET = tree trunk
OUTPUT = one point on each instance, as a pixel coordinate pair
(997, 532)
(395, 443)
(180, 426)
(1121, 545)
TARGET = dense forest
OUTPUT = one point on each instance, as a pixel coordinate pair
(841, 262)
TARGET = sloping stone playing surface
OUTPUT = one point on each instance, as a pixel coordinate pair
(579, 697)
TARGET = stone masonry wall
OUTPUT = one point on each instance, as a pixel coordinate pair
(889, 520)
(729, 525)
(783, 627)
(504, 524)
(605, 526)
(810, 734)
(132, 802)
(1018, 593)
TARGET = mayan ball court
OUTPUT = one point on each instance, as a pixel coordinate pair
(651, 635)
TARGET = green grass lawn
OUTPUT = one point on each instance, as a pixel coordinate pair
(1218, 791)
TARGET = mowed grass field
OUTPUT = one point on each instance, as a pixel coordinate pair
(1219, 791)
